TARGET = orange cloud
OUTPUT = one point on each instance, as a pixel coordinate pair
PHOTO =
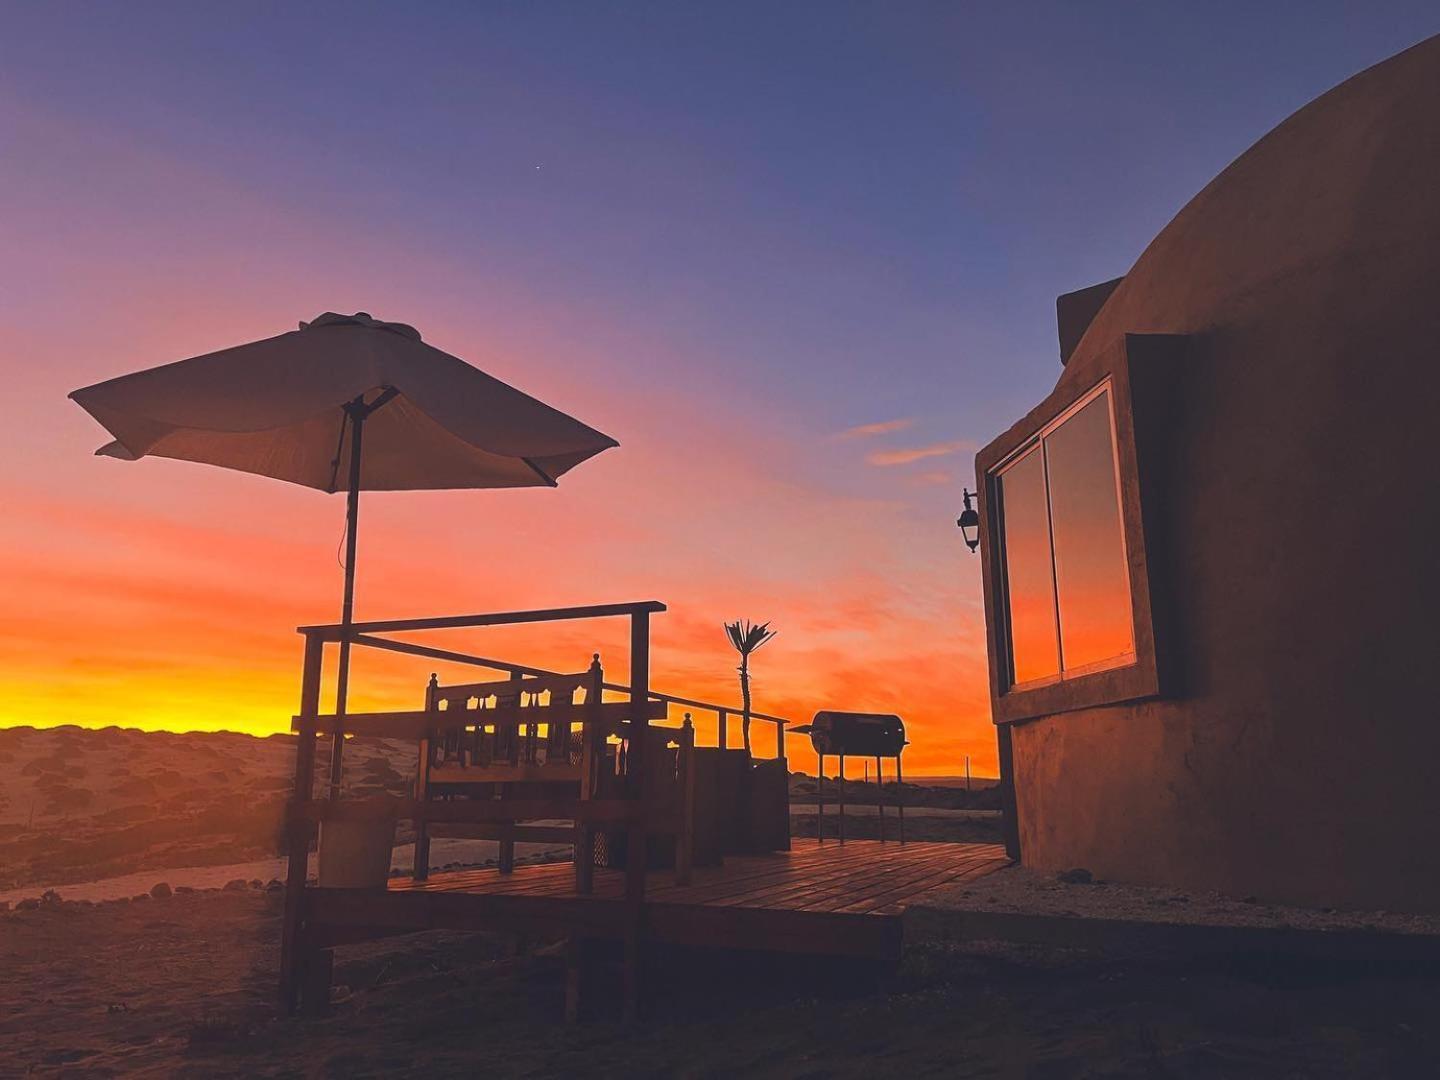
(919, 453)
(866, 431)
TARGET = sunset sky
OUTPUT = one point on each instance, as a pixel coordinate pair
(799, 259)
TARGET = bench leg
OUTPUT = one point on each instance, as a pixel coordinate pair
(579, 975)
(584, 860)
(507, 850)
(630, 1004)
(317, 967)
(421, 870)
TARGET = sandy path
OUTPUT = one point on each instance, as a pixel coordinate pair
(442, 852)
(1024, 891)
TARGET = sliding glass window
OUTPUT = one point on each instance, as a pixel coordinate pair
(1067, 583)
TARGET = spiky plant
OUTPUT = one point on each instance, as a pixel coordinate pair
(747, 637)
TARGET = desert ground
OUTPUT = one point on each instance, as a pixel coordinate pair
(149, 955)
(183, 985)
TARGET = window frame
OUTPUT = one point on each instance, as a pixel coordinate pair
(1134, 677)
(1037, 444)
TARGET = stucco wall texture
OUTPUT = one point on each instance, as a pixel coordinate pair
(1291, 527)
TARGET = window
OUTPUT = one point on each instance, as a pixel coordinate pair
(1065, 578)
(1065, 497)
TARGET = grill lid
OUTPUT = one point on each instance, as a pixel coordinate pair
(860, 734)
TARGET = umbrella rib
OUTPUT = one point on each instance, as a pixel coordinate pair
(339, 449)
(386, 395)
(550, 481)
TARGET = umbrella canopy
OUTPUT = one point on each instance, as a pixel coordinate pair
(345, 402)
(277, 407)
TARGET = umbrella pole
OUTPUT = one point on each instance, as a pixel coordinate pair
(355, 412)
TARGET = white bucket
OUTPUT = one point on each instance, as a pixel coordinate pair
(355, 853)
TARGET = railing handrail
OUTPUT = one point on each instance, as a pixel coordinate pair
(708, 706)
(433, 653)
(334, 631)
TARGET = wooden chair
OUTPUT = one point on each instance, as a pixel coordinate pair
(528, 738)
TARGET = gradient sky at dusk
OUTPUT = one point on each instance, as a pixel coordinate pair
(800, 259)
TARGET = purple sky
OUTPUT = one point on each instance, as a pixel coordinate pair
(724, 233)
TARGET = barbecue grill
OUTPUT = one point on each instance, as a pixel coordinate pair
(865, 735)
(856, 734)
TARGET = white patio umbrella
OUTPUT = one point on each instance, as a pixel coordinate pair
(300, 407)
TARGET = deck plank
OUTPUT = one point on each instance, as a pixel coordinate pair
(812, 876)
(843, 878)
(900, 891)
(844, 899)
(909, 879)
(768, 877)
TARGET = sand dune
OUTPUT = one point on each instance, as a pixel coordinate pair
(78, 804)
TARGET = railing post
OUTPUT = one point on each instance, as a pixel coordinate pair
(298, 828)
(785, 778)
(591, 741)
(724, 736)
(505, 854)
(685, 838)
(420, 868)
(637, 853)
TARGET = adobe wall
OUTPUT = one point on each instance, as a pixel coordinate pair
(1292, 530)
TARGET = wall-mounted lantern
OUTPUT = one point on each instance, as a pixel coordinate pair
(969, 522)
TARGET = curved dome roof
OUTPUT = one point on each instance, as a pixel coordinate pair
(1349, 184)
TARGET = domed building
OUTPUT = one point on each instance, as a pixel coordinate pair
(1210, 555)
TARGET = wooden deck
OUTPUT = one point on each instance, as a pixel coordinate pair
(831, 898)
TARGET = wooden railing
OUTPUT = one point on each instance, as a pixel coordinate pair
(297, 956)
(641, 705)
(723, 713)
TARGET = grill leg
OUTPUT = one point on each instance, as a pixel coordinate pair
(820, 798)
(880, 796)
(899, 798)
